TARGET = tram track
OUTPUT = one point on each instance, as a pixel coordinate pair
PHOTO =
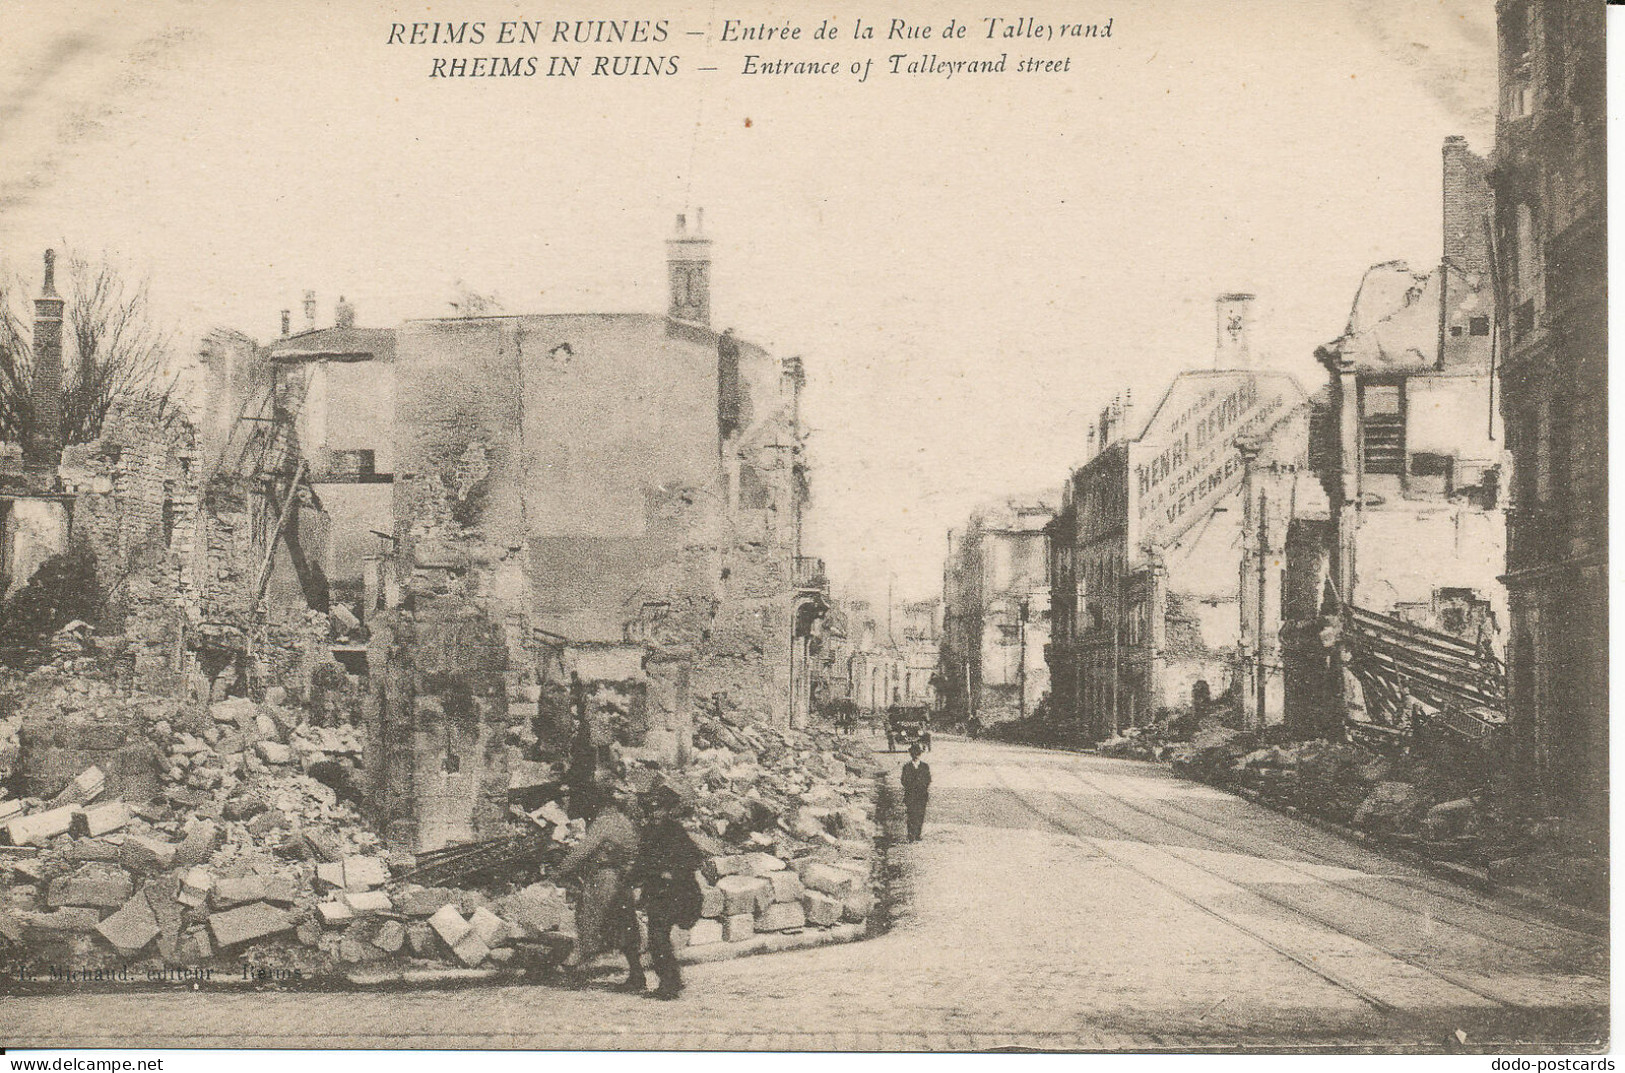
(1307, 961)
(1334, 861)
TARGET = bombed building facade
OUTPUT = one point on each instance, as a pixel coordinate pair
(605, 502)
(1550, 172)
(1414, 466)
(996, 613)
(567, 520)
(1149, 612)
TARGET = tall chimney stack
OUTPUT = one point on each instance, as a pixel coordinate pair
(1466, 202)
(1234, 328)
(343, 314)
(286, 316)
(310, 311)
(42, 446)
(688, 267)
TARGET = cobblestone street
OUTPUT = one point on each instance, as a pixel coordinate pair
(1057, 902)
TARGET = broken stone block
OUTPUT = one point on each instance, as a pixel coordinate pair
(744, 894)
(425, 902)
(391, 937)
(245, 806)
(821, 909)
(470, 950)
(367, 901)
(717, 867)
(202, 839)
(365, 873)
(705, 931)
(94, 849)
(350, 950)
(104, 891)
(787, 886)
(131, 928)
(333, 914)
(163, 894)
(281, 890)
(330, 874)
(270, 820)
(491, 928)
(836, 882)
(857, 906)
(781, 916)
(234, 892)
(266, 727)
(760, 864)
(308, 934)
(85, 787)
(738, 927)
(194, 947)
(449, 924)
(420, 938)
(325, 846)
(248, 923)
(52, 925)
(236, 710)
(100, 820)
(147, 854)
(39, 828)
(274, 752)
(196, 885)
(712, 902)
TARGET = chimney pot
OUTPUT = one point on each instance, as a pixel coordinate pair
(287, 316)
(344, 314)
(310, 311)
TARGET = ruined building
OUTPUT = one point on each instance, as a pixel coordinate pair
(194, 535)
(1551, 267)
(1149, 613)
(612, 501)
(1414, 468)
(996, 613)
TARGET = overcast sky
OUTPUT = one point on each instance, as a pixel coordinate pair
(970, 267)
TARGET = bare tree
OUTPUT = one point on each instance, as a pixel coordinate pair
(113, 350)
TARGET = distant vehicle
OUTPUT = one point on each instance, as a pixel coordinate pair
(907, 726)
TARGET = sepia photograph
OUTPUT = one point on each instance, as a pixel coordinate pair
(884, 526)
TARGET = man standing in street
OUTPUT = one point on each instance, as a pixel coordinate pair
(916, 789)
(667, 861)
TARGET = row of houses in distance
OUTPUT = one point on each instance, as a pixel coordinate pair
(1412, 525)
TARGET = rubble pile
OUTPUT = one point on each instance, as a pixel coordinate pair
(233, 835)
(1408, 799)
(788, 820)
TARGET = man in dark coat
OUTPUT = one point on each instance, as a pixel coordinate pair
(667, 861)
(916, 789)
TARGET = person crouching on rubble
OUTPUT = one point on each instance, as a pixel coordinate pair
(603, 859)
(670, 893)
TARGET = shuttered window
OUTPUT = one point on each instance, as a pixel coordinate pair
(1382, 428)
